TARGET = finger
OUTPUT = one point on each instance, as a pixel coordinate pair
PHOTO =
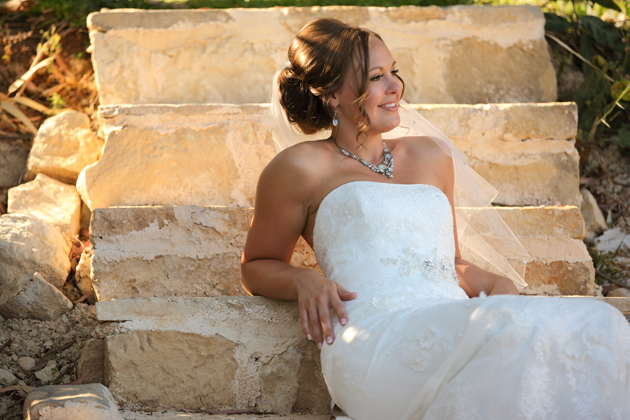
(326, 319)
(316, 328)
(344, 294)
(340, 309)
(305, 322)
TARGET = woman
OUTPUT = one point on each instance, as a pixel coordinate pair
(407, 342)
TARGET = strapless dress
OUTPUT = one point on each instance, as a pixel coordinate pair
(416, 347)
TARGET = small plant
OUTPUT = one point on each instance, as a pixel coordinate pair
(606, 268)
(603, 49)
(57, 101)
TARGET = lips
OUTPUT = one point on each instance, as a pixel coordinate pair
(392, 106)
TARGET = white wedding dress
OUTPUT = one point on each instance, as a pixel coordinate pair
(416, 347)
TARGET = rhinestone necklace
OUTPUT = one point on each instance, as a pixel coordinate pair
(386, 168)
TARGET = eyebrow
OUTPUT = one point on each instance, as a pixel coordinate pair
(381, 68)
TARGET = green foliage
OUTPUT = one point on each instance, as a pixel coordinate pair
(601, 47)
(605, 265)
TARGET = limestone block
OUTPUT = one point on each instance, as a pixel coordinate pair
(53, 201)
(199, 155)
(13, 155)
(28, 245)
(63, 146)
(475, 54)
(91, 362)
(196, 251)
(557, 221)
(241, 353)
(214, 154)
(526, 151)
(559, 261)
(594, 219)
(563, 262)
(32, 297)
(172, 251)
(71, 402)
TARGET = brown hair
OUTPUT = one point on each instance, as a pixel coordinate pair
(321, 55)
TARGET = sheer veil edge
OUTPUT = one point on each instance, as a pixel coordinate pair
(484, 238)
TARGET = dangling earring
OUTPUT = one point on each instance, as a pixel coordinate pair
(335, 120)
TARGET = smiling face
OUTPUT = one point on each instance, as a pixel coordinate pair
(383, 93)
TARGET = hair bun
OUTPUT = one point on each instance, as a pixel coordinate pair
(302, 106)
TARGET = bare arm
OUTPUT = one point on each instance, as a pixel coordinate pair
(282, 207)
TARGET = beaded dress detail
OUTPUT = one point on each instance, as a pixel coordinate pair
(416, 347)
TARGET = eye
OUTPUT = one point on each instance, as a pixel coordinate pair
(377, 77)
(395, 71)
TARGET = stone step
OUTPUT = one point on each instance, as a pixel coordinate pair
(461, 54)
(241, 353)
(196, 251)
(214, 154)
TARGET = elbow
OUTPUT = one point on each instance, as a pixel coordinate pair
(246, 278)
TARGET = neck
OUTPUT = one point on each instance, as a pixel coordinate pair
(369, 148)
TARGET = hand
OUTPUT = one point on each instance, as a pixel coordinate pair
(504, 286)
(316, 295)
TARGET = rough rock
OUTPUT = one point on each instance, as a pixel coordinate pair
(48, 373)
(196, 251)
(28, 245)
(63, 146)
(477, 54)
(13, 155)
(594, 219)
(621, 292)
(32, 297)
(91, 362)
(242, 353)
(26, 363)
(214, 154)
(53, 201)
(611, 240)
(86, 215)
(71, 402)
(82, 276)
(6, 377)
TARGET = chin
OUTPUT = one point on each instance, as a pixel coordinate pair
(390, 125)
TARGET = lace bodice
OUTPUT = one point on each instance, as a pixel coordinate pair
(387, 241)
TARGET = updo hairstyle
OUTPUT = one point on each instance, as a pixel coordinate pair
(321, 56)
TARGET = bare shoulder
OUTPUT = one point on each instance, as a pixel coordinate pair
(422, 146)
(423, 150)
(294, 171)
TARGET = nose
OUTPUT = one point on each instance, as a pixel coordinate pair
(395, 85)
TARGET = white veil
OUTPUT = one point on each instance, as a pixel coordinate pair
(484, 238)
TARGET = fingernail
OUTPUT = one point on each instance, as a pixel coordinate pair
(308, 336)
(329, 340)
(343, 321)
(319, 346)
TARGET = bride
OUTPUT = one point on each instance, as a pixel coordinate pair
(418, 332)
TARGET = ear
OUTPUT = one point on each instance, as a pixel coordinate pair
(333, 100)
